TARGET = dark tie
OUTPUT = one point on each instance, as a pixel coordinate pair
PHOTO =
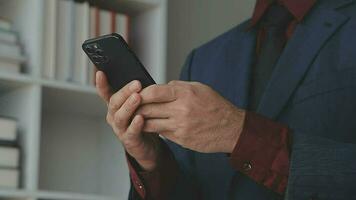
(275, 23)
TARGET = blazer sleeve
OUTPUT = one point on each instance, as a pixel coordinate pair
(321, 169)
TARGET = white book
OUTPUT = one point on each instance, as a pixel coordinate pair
(49, 39)
(122, 26)
(8, 37)
(93, 22)
(9, 157)
(105, 22)
(10, 66)
(5, 24)
(80, 66)
(9, 178)
(10, 50)
(8, 129)
(64, 40)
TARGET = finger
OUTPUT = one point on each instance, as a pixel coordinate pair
(157, 126)
(155, 110)
(124, 114)
(135, 128)
(102, 86)
(158, 94)
(118, 99)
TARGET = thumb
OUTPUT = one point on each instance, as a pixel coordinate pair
(102, 86)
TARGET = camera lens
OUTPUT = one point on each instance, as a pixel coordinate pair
(89, 49)
(99, 52)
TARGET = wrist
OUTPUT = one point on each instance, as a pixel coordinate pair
(147, 166)
(237, 128)
(152, 157)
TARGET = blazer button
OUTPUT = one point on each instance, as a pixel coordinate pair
(247, 166)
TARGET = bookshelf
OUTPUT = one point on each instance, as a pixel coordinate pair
(69, 152)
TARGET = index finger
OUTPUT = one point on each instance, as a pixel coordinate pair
(117, 99)
(158, 94)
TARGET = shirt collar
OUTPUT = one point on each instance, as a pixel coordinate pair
(298, 8)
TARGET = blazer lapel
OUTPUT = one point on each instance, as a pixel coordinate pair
(297, 57)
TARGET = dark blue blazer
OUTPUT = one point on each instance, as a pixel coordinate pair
(312, 90)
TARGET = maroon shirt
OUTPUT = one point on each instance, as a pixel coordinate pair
(263, 150)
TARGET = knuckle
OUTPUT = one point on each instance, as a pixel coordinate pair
(173, 91)
(113, 103)
(190, 90)
(154, 91)
(145, 111)
(118, 119)
(172, 82)
(108, 118)
(151, 127)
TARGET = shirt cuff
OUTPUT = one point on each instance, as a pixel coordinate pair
(158, 183)
(262, 152)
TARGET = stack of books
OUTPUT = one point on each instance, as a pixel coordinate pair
(11, 57)
(9, 154)
(67, 25)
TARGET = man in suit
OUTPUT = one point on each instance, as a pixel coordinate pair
(264, 111)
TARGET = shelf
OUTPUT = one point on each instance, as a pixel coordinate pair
(68, 86)
(71, 196)
(10, 81)
(42, 194)
(14, 193)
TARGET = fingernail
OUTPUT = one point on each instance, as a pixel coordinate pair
(133, 85)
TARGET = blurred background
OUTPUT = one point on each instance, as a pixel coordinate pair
(54, 141)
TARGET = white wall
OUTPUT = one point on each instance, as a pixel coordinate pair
(194, 22)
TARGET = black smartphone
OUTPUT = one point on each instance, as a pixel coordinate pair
(111, 54)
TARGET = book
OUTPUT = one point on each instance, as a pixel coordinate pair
(9, 37)
(8, 128)
(80, 66)
(8, 50)
(49, 39)
(64, 42)
(5, 24)
(94, 22)
(10, 65)
(9, 157)
(94, 32)
(122, 26)
(9, 178)
(105, 22)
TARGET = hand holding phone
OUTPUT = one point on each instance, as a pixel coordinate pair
(118, 67)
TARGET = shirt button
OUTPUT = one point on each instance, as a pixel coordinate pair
(247, 166)
(139, 184)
